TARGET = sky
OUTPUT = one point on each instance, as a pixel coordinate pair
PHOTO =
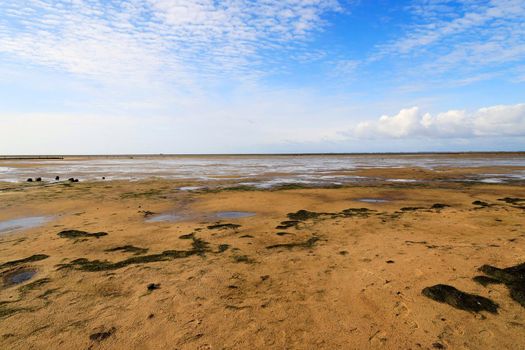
(269, 76)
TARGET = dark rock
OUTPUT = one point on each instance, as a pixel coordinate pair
(188, 236)
(481, 203)
(282, 233)
(439, 206)
(153, 286)
(71, 179)
(30, 180)
(38, 179)
(57, 178)
(100, 336)
(390, 261)
(460, 300)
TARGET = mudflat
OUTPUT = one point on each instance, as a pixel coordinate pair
(427, 265)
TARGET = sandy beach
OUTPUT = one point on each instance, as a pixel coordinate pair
(144, 265)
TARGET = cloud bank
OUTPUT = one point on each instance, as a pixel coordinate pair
(408, 130)
(500, 120)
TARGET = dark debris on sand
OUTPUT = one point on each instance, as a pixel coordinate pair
(460, 300)
(74, 234)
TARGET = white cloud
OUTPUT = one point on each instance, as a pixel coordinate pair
(501, 121)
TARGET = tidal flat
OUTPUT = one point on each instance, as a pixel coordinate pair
(432, 264)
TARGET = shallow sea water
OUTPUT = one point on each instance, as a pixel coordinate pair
(22, 223)
(258, 171)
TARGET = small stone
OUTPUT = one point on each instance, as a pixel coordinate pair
(153, 286)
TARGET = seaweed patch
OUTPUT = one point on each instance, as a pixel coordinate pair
(513, 277)
(512, 200)
(74, 234)
(199, 247)
(307, 244)
(287, 224)
(128, 249)
(223, 226)
(32, 258)
(222, 248)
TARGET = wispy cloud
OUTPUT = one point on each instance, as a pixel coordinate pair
(465, 36)
(179, 40)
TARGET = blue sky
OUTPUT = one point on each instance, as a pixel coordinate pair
(238, 76)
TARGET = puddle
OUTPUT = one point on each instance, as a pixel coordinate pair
(22, 223)
(165, 217)
(372, 200)
(190, 188)
(233, 214)
(172, 217)
(18, 276)
(402, 180)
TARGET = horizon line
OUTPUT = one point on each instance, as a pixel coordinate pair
(62, 156)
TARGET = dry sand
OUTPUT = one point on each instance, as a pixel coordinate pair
(353, 280)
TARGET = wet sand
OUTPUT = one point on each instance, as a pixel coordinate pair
(332, 276)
